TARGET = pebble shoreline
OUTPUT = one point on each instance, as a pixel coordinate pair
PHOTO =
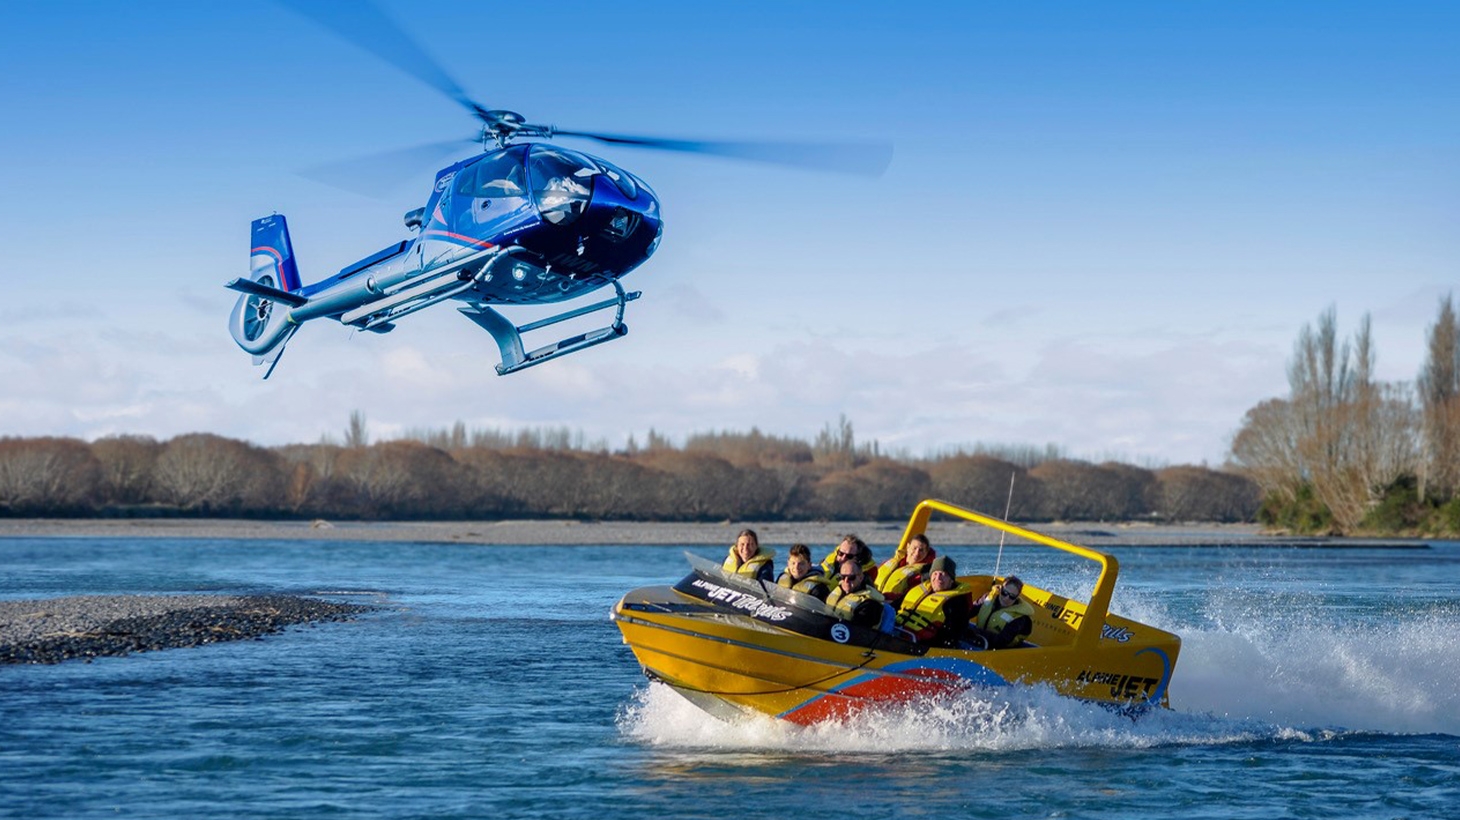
(91, 626)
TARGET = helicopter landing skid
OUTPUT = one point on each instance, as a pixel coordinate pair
(509, 336)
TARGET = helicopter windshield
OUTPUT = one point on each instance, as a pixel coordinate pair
(624, 182)
(562, 182)
(495, 175)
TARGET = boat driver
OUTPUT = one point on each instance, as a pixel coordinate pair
(802, 575)
(1002, 618)
(936, 611)
(746, 558)
(853, 599)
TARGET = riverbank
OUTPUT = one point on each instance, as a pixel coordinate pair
(90, 626)
(610, 533)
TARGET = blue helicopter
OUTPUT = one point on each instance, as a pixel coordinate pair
(517, 223)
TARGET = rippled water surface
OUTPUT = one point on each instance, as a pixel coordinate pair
(490, 683)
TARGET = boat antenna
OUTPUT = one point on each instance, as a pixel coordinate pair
(1008, 505)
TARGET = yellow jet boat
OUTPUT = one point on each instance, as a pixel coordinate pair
(731, 644)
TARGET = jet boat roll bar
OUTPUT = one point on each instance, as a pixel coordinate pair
(1088, 633)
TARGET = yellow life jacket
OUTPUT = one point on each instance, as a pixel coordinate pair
(894, 581)
(923, 608)
(994, 622)
(845, 604)
(750, 568)
(831, 569)
(810, 584)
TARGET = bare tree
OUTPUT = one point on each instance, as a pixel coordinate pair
(836, 446)
(201, 471)
(356, 435)
(1439, 396)
(983, 483)
(1189, 493)
(402, 479)
(1341, 435)
(127, 463)
(47, 475)
(750, 449)
(697, 485)
(1080, 491)
(313, 484)
(880, 489)
(1266, 449)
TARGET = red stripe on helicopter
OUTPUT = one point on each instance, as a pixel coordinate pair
(480, 243)
(278, 264)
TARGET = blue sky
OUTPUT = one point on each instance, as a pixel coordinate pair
(1103, 225)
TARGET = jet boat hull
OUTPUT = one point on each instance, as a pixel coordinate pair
(732, 645)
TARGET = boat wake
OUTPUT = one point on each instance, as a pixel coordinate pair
(994, 720)
(1397, 675)
(1303, 679)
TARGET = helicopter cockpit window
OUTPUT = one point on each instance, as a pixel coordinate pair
(624, 182)
(562, 183)
(497, 175)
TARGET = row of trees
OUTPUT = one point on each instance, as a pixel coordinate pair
(1346, 453)
(454, 474)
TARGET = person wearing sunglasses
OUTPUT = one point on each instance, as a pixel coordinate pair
(748, 559)
(850, 546)
(1002, 618)
(853, 599)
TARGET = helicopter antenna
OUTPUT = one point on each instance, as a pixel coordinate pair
(1008, 505)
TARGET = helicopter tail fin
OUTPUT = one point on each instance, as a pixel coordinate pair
(271, 240)
(260, 322)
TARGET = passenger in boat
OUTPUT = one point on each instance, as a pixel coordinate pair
(802, 575)
(748, 559)
(905, 569)
(850, 546)
(936, 611)
(854, 600)
(1002, 618)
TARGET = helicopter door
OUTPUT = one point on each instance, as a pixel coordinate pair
(491, 196)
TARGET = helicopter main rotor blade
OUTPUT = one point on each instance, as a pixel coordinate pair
(380, 175)
(862, 159)
(362, 24)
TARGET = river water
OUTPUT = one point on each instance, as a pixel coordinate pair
(490, 683)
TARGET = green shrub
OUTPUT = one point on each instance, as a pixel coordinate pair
(1399, 510)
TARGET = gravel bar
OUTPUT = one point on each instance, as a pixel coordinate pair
(91, 626)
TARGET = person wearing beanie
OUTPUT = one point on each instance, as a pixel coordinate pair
(936, 611)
